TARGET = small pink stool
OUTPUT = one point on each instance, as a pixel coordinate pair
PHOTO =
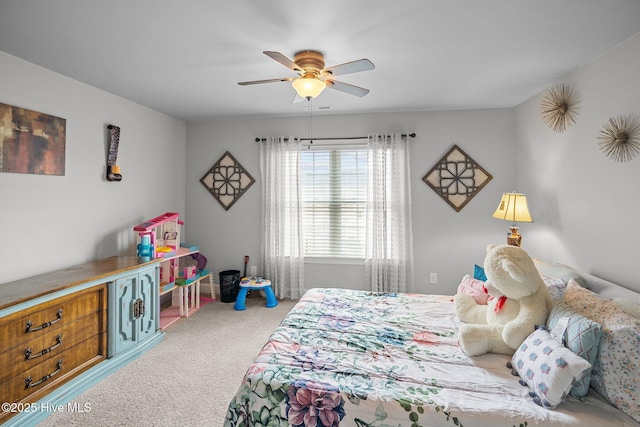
(254, 283)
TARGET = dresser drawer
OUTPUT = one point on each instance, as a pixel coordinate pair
(39, 320)
(49, 345)
(44, 377)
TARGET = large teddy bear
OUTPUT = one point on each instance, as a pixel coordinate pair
(521, 301)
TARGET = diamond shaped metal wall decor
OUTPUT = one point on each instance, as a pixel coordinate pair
(227, 180)
(457, 178)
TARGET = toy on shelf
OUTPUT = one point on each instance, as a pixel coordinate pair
(201, 261)
(165, 252)
(145, 249)
(162, 233)
(189, 272)
(160, 238)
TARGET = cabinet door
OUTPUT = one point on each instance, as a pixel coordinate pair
(147, 291)
(122, 330)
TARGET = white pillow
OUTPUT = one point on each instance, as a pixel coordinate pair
(559, 271)
(548, 368)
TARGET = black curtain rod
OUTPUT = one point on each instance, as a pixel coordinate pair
(404, 135)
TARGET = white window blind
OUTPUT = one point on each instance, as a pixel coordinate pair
(334, 202)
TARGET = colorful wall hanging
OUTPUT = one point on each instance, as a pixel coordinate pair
(227, 180)
(31, 142)
(457, 178)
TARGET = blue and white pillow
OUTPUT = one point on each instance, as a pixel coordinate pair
(548, 368)
(581, 335)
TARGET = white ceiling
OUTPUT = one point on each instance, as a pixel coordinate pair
(185, 57)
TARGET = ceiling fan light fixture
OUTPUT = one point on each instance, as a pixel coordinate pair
(308, 86)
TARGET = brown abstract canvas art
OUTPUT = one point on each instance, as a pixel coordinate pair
(31, 142)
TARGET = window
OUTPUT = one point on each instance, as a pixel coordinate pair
(334, 202)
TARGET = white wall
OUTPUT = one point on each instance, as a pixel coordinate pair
(586, 204)
(53, 222)
(445, 242)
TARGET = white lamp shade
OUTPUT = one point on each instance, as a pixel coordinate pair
(308, 86)
(513, 207)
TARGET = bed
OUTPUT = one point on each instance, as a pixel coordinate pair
(355, 358)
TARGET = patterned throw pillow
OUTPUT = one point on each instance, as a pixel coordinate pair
(617, 367)
(580, 335)
(631, 306)
(553, 281)
(548, 368)
(555, 285)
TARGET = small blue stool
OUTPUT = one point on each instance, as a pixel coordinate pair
(254, 284)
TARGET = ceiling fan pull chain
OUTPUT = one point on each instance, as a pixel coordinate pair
(310, 102)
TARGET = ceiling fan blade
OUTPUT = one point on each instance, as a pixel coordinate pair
(349, 67)
(277, 56)
(298, 99)
(347, 88)
(257, 82)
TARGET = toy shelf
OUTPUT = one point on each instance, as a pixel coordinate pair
(185, 299)
(172, 262)
(188, 300)
(159, 238)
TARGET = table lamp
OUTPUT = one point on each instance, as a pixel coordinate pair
(513, 207)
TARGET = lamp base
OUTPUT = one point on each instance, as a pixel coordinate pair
(514, 238)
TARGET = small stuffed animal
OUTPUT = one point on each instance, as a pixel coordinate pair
(521, 301)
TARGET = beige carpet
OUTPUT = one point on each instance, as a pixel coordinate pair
(189, 378)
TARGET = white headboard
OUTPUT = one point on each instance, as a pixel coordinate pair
(600, 286)
(608, 289)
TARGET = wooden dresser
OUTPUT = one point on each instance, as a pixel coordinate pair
(54, 333)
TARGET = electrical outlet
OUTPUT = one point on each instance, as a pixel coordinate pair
(254, 270)
(433, 278)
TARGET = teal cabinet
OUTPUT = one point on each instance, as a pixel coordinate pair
(125, 324)
(133, 310)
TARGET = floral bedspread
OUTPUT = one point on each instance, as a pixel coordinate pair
(356, 358)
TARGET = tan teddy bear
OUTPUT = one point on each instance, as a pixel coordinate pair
(521, 301)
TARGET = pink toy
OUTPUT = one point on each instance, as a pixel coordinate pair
(164, 232)
(189, 272)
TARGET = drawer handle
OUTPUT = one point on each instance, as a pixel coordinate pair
(29, 380)
(44, 325)
(28, 353)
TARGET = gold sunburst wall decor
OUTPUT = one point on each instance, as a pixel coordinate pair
(619, 138)
(559, 107)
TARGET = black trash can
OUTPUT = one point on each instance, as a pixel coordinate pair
(229, 285)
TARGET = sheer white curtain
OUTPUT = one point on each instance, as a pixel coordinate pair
(282, 244)
(389, 242)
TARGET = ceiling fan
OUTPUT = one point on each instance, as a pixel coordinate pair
(313, 76)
